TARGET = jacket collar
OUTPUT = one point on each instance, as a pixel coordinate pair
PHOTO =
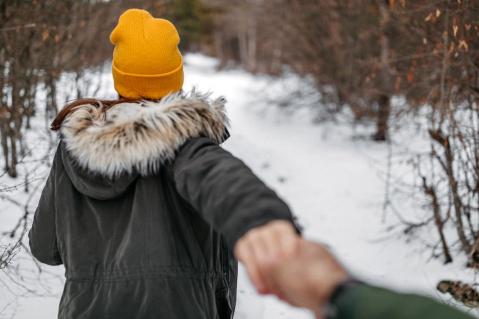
(139, 137)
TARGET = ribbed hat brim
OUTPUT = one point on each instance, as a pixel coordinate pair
(154, 86)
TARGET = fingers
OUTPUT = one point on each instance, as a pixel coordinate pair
(252, 251)
(300, 272)
(262, 248)
(246, 254)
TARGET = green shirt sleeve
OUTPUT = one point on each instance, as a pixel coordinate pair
(367, 302)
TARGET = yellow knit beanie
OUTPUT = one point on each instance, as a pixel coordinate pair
(146, 60)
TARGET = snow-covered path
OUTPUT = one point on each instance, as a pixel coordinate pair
(331, 181)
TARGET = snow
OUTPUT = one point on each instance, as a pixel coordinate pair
(333, 182)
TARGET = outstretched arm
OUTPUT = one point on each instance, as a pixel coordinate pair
(313, 278)
(237, 204)
(364, 301)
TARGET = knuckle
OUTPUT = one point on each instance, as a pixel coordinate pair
(252, 233)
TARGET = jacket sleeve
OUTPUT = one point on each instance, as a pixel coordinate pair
(368, 302)
(224, 190)
(42, 235)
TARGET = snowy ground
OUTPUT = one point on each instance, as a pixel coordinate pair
(334, 183)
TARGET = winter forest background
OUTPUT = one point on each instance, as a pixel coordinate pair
(363, 115)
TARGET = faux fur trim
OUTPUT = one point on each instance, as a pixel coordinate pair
(141, 136)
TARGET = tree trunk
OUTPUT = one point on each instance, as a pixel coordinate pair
(384, 99)
(382, 120)
(431, 192)
(252, 38)
(448, 166)
(4, 137)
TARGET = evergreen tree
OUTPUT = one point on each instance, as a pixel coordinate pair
(190, 17)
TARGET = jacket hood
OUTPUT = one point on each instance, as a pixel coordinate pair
(104, 152)
(95, 185)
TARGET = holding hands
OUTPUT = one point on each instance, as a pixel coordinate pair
(305, 274)
(280, 262)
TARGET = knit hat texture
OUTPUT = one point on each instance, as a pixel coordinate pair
(146, 60)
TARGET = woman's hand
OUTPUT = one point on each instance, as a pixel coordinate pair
(308, 278)
(263, 247)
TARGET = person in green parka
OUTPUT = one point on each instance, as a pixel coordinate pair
(142, 205)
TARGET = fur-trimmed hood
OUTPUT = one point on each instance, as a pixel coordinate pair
(137, 138)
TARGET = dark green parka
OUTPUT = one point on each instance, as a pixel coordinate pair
(143, 207)
(361, 301)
